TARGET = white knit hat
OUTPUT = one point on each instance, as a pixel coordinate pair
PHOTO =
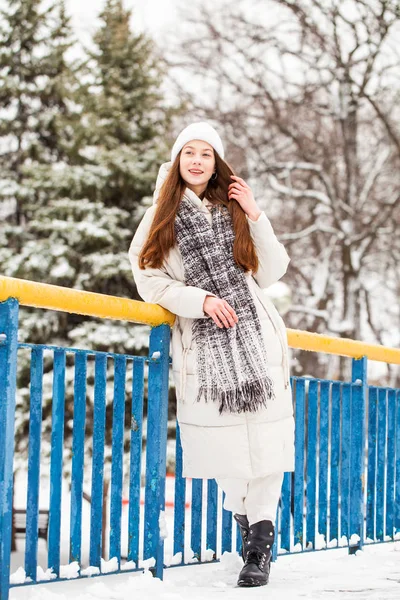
(198, 131)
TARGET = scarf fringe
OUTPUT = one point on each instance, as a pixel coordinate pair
(248, 397)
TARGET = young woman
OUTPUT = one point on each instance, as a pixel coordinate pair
(205, 251)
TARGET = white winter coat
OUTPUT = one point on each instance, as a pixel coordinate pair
(246, 445)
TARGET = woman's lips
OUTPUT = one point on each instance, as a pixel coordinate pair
(196, 172)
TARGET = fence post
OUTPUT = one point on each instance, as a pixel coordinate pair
(156, 445)
(8, 383)
(357, 451)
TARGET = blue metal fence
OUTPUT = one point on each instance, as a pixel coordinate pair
(345, 490)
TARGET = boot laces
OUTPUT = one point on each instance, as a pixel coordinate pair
(256, 557)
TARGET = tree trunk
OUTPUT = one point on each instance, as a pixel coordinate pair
(351, 316)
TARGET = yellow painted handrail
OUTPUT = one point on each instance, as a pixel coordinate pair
(317, 342)
(54, 297)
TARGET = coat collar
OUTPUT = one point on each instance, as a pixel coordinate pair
(188, 193)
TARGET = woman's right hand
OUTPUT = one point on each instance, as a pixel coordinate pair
(220, 311)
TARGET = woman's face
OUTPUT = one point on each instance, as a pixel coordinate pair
(197, 163)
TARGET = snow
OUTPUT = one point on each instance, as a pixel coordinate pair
(371, 574)
(209, 555)
(46, 575)
(147, 564)
(128, 565)
(18, 576)
(163, 525)
(109, 566)
(70, 571)
(92, 571)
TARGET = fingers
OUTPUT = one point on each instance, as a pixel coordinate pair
(225, 316)
(217, 321)
(220, 311)
(235, 187)
(232, 312)
(236, 191)
(238, 181)
(220, 319)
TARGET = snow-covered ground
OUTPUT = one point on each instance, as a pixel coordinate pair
(373, 574)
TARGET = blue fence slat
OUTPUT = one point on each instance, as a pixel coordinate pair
(238, 539)
(390, 463)
(381, 453)
(99, 422)
(334, 463)
(157, 420)
(397, 488)
(274, 549)
(311, 454)
(78, 441)
(212, 513)
(357, 458)
(35, 427)
(226, 543)
(117, 455)
(323, 459)
(8, 377)
(371, 468)
(299, 462)
(135, 465)
(57, 441)
(345, 461)
(286, 501)
(196, 517)
(179, 501)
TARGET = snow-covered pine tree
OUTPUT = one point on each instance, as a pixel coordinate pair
(37, 119)
(80, 148)
(36, 131)
(127, 111)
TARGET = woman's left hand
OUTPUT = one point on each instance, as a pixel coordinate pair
(240, 191)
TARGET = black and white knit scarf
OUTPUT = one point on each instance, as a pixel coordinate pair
(231, 363)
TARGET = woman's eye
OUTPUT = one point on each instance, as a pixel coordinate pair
(190, 152)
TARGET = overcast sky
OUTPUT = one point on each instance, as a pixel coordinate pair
(152, 16)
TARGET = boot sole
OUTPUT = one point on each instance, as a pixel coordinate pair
(251, 583)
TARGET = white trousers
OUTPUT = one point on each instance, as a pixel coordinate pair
(257, 498)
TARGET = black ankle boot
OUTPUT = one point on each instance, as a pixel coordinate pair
(243, 523)
(257, 563)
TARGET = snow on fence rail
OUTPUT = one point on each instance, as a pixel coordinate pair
(345, 489)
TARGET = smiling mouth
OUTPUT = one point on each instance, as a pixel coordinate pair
(196, 172)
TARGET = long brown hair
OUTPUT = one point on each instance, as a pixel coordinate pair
(161, 236)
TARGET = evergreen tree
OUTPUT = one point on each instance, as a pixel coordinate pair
(80, 148)
(94, 140)
(36, 123)
(128, 117)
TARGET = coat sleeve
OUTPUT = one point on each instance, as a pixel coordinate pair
(272, 256)
(156, 286)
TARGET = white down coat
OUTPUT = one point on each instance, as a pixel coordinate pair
(246, 445)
